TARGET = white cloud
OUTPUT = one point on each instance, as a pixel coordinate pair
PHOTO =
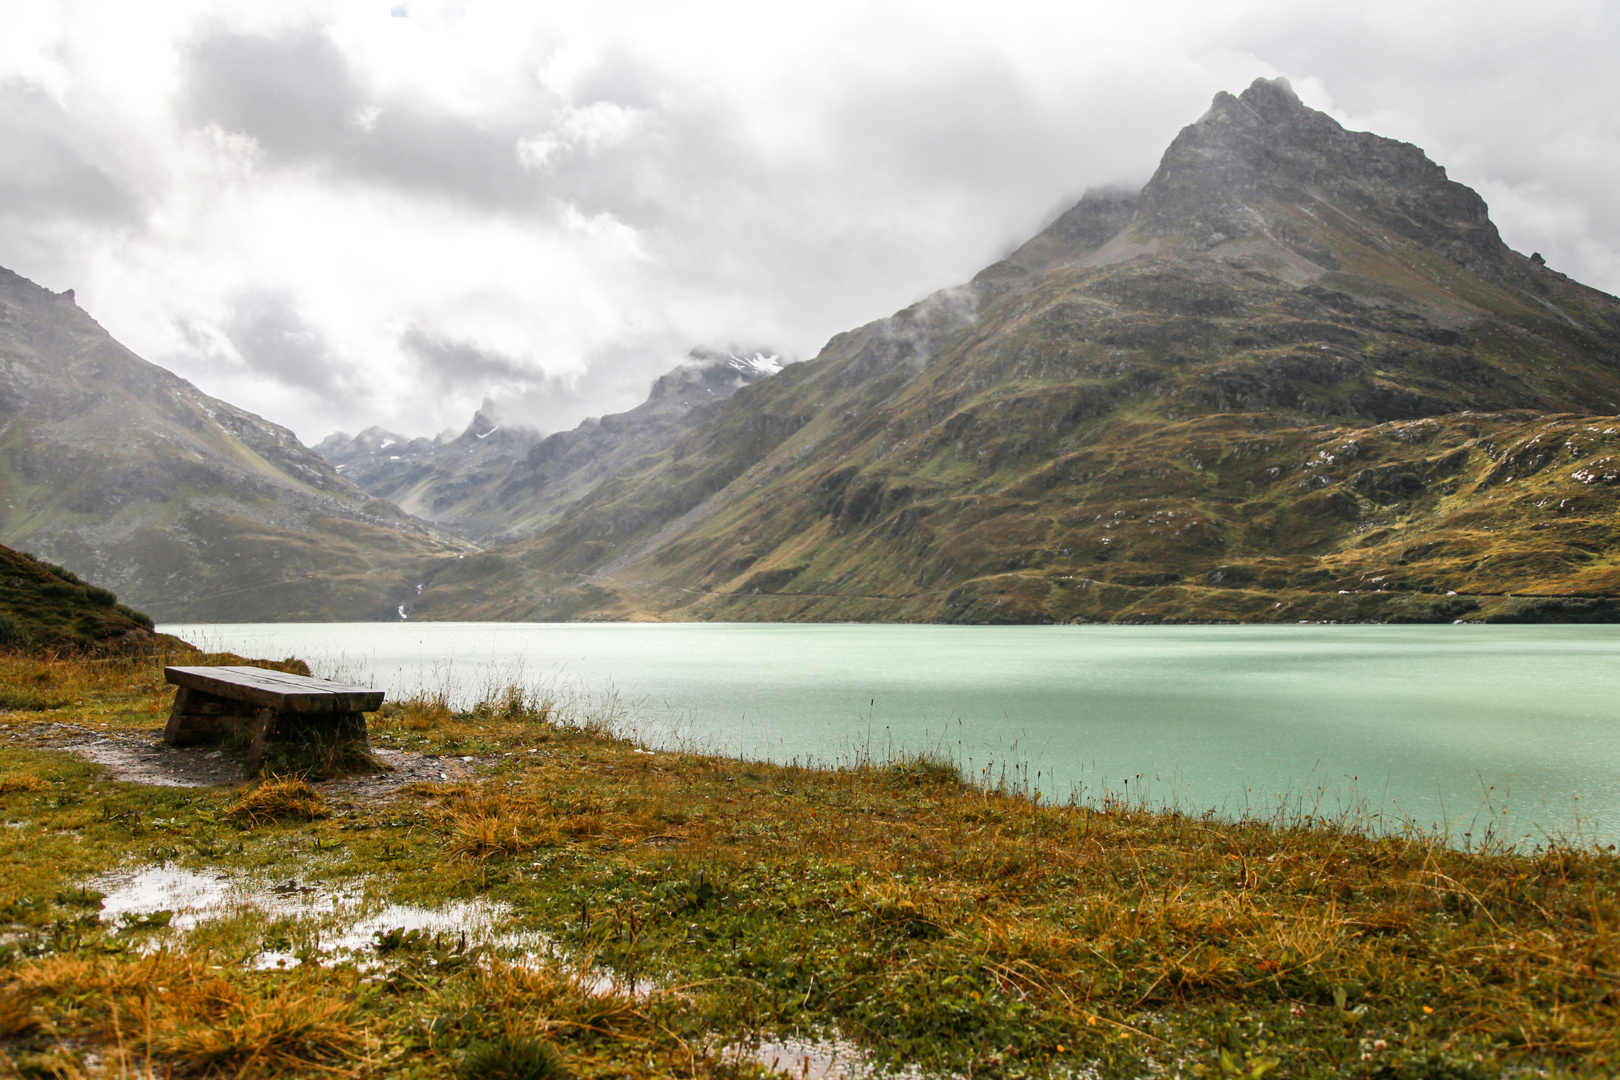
(552, 203)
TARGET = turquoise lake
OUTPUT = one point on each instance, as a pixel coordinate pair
(1514, 729)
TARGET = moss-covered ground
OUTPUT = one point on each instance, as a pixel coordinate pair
(692, 903)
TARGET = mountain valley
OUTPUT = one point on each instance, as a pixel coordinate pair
(1297, 376)
(495, 482)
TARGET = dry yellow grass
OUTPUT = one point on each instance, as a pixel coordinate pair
(16, 782)
(178, 1009)
(279, 798)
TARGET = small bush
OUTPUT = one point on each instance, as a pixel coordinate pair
(12, 634)
(140, 618)
(60, 571)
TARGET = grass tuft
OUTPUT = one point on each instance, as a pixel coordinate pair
(279, 798)
(513, 1057)
(929, 767)
(17, 1017)
(217, 1030)
(319, 759)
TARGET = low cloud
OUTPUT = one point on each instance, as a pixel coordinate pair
(50, 169)
(271, 337)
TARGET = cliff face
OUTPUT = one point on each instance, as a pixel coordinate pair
(190, 508)
(1297, 375)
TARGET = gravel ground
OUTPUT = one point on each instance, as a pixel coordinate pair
(142, 757)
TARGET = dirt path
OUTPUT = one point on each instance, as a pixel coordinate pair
(142, 757)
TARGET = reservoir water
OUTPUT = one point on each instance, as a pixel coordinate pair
(1511, 730)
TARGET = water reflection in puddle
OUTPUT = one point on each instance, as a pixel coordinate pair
(193, 897)
(345, 923)
(815, 1059)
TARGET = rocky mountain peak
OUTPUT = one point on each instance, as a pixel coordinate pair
(1255, 162)
(484, 422)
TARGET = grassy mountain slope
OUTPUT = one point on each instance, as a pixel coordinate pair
(189, 506)
(1297, 376)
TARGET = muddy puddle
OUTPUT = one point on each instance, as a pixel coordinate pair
(815, 1058)
(333, 923)
(330, 924)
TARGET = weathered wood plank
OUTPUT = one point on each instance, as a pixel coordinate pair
(276, 690)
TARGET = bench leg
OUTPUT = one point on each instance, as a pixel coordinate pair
(263, 722)
(351, 727)
(199, 718)
(175, 733)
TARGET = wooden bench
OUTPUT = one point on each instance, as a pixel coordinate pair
(215, 703)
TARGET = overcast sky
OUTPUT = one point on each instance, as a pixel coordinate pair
(340, 215)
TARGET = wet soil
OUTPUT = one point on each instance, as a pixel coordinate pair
(142, 757)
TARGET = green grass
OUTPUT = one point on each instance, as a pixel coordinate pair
(925, 920)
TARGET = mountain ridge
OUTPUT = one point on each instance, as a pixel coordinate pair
(494, 482)
(1203, 352)
(190, 507)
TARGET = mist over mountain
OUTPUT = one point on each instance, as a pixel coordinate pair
(187, 506)
(495, 481)
(443, 479)
(1298, 375)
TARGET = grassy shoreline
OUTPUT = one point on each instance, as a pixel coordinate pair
(690, 904)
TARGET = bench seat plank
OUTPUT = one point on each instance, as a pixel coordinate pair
(276, 690)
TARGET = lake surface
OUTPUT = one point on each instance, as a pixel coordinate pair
(1466, 728)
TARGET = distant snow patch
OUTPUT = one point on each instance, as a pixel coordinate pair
(759, 363)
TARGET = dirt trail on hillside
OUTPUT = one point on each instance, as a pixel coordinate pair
(142, 757)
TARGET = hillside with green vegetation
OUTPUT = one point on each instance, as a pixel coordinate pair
(1298, 376)
(191, 508)
(45, 607)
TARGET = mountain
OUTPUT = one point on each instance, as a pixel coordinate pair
(191, 508)
(444, 480)
(496, 481)
(1298, 375)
